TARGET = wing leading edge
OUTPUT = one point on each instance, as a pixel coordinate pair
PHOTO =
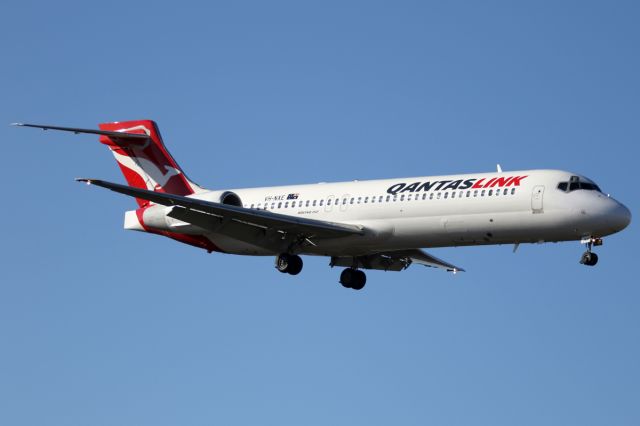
(201, 212)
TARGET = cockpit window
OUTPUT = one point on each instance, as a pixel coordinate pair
(575, 184)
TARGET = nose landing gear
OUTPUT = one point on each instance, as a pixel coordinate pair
(589, 258)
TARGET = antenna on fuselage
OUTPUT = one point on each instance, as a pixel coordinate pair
(499, 168)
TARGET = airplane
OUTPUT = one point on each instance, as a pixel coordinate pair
(359, 225)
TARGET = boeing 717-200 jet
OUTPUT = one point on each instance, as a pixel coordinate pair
(375, 224)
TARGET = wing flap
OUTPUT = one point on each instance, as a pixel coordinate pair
(421, 257)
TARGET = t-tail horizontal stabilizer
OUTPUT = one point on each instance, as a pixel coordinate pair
(140, 137)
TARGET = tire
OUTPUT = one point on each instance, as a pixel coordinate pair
(594, 260)
(347, 278)
(295, 265)
(360, 280)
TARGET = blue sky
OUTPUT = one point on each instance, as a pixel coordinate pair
(102, 326)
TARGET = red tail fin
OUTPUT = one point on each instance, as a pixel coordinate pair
(147, 165)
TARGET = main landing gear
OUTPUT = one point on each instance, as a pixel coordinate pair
(589, 258)
(289, 264)
(353, 278)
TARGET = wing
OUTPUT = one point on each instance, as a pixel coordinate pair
(395, 261)
(210, 216)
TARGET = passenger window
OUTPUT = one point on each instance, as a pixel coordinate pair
(431, 196)
(366, 199)
(321, 202)
(490, 192)
(439, 194)
(388, 198)
(344, 201)
(482, 193)
(352, 200)
(402, 197)
(380, 199)
(468, 194)
(446, 195)
(424, 196)
(475, 193)
(280, 205)
(505, 191)
(314, 203)
(513, 191)
(409, 197)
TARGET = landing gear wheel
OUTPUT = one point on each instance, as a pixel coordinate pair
(353, 278)
(282, 263)
(295, 265)
(346, 278)
(289, 263)
(361, 280)
(589, 258)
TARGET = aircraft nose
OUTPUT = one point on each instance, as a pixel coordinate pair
(620, 216)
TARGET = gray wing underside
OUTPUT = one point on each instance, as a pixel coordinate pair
(395, 261)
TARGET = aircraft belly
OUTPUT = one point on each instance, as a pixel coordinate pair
(435, 231)
(482, 229)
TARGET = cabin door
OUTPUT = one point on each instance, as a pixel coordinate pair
(536, 199)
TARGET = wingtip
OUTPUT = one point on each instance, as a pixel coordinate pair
(16, 124)
(85, 180)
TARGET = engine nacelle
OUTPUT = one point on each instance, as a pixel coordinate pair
(230, 198)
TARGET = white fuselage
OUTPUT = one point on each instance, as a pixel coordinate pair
(433, 211)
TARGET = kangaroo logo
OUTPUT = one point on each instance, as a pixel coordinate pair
(147, 170)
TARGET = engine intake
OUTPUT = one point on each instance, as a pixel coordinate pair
(230, 198)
